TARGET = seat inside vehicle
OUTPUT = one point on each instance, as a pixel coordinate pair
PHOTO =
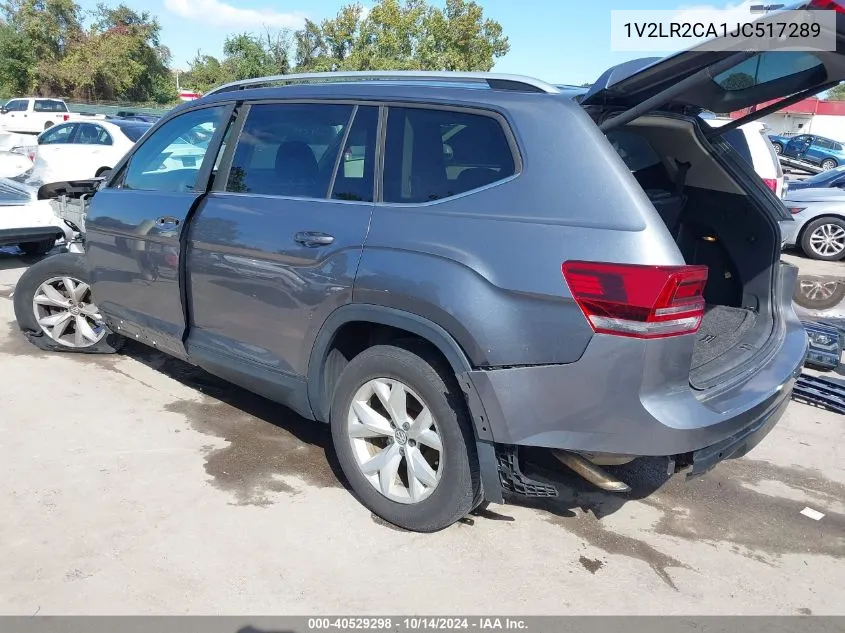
(715, 223)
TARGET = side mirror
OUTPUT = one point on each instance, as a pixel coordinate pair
(3, 110)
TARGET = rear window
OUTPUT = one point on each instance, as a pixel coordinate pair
(737, 140)
(771, 66)
(49, 105)
(635, 150)
(133, 132)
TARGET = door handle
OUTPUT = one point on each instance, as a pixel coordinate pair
(313, 239)
(168, 220)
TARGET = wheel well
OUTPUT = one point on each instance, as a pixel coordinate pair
(354, 337)
(803, 230)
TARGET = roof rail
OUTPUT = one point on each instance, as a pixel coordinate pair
(496, 81)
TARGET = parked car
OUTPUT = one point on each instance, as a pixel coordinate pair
(817, 150)
(33, 115)
(443, 297)
(75, 151)
(751, 142)
(818, 225)
(832, 178)
(26, 222)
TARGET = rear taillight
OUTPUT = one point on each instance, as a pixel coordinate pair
(771, 183)
(796, 210)
(638, 301)
(66, 117)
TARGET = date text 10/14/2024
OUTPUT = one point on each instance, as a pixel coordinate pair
(418, 624)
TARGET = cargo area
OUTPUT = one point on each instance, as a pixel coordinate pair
(715, 223)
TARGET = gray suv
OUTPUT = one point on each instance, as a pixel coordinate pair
(447, 268)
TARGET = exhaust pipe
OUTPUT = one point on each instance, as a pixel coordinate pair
(592, 473)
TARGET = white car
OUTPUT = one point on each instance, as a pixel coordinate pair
(80, 150)
(752, 143)
(26, 222)
(34, 115)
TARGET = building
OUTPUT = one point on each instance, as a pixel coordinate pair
(809, 116)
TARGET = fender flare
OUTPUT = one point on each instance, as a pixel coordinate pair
(380, 315)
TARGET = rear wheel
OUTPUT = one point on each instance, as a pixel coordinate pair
(828, 164)
(101, 171)
(48, 125)
(816, 293)
(824, 239)
(55, 309)
(403, 437)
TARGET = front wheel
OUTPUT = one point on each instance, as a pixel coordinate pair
(778, 148)
(828, 164)
(403, 437)
(55, 310)
(824, 239)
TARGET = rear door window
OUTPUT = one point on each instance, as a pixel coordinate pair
(49, 105)
(355, 177)
(289, 149)
(433, 154)
(92, 134)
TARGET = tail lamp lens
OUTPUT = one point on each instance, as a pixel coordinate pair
(638, 301)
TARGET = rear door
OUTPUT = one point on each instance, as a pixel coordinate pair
(134, 226)
(275, 247)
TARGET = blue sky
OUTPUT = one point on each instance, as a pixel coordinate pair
(550, 39)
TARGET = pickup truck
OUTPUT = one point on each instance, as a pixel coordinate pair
(34, 115)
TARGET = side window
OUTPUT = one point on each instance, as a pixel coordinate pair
(16, 105)
(356, 173)
(433, 154)
(288, 149)
(635, 150)
(170, 159)
(92, 134)
(48, 105)
(822, 143)
(57, 134)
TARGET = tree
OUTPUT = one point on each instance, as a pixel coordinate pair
(204, 73)
(738, 81)
(402, 35)
(17, 62)
(837, 93)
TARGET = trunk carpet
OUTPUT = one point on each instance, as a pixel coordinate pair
(722, 328)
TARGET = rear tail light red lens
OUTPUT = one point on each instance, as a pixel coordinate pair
(835, 5)
(638, 301)
(66, 117)
(771, 183)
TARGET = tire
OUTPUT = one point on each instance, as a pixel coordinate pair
(828, 164)
(430, 382)
(37, 248)
(815, 293)
(48, 125)
(101, 171)
(778, 148)
(815, 236)
(59, 267)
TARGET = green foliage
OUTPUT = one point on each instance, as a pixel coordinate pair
(402, 35)
(46, 48)
(837, 93)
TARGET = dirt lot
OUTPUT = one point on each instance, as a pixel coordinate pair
(135, 484)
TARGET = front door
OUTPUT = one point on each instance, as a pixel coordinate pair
(134, 226)
(274, 248)
(798, 146)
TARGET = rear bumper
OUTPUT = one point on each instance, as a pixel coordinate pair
(20, 235)
(632, 397)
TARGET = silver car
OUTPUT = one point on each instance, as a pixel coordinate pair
(818, 225)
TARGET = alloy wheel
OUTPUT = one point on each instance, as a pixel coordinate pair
(395, 440)
(828, 240)
(66, 313)
(816, 290)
